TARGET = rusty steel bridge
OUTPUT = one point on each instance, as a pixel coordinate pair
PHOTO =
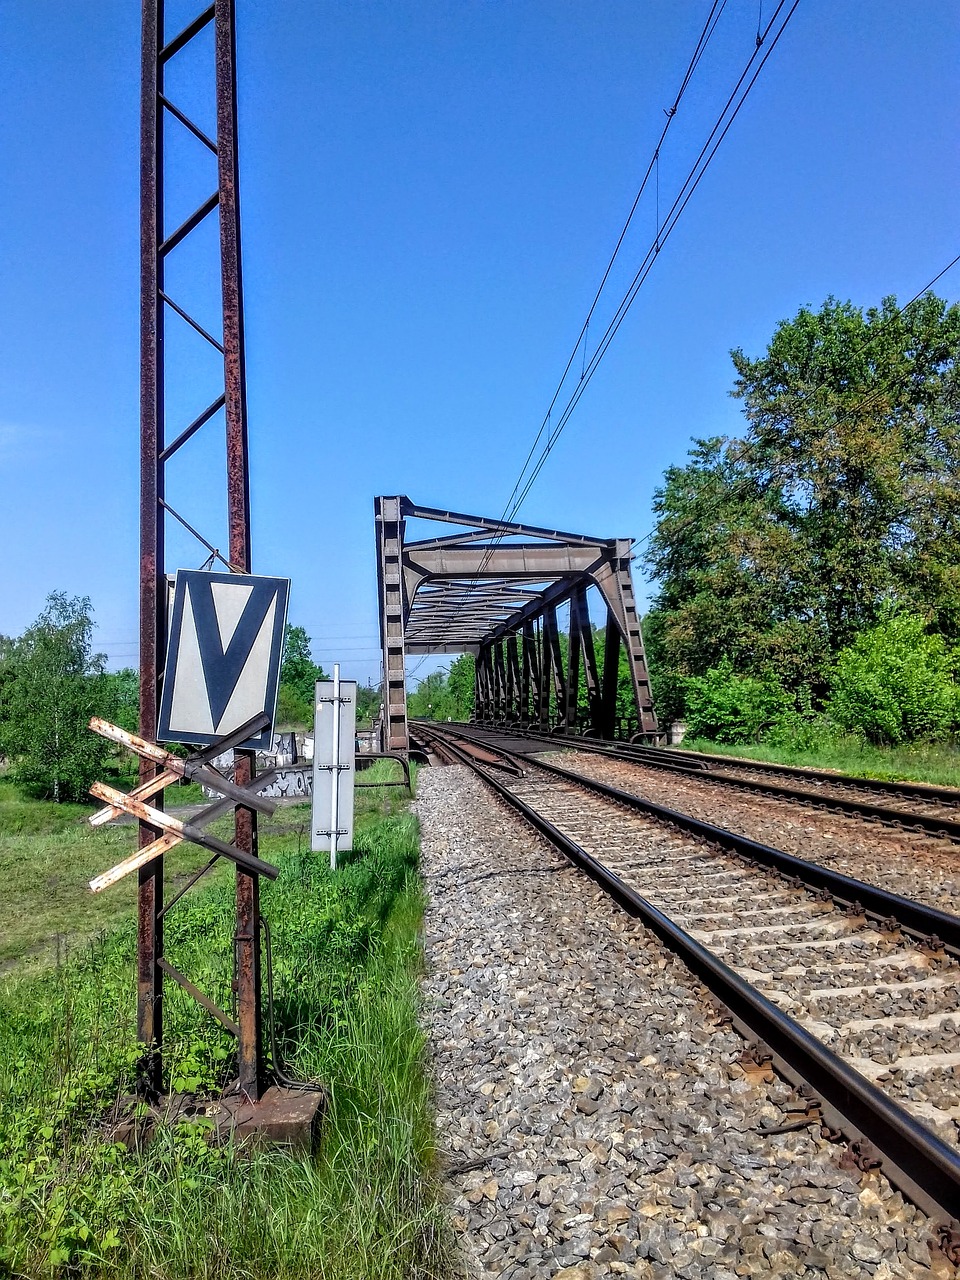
(496, 590)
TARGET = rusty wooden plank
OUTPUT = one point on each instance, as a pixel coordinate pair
(185, 830)
(201, 773)
(135, 861)
(142, 792)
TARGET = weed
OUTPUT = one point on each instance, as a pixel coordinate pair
(937, 763)
(346, 959)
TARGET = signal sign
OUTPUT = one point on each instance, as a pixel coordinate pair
(223, 658)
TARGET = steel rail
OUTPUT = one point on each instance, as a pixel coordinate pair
(889, 786)
(704, 760)
(653, 758)
(927, 924)
(923, 922)
(924, 1167)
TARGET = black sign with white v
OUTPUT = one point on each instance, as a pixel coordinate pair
(223, 659)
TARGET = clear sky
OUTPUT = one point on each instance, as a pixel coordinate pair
(431, 190)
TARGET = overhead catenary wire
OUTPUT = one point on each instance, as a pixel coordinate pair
(691, 182)
(868, 401)
(713, 17)
(718, 132)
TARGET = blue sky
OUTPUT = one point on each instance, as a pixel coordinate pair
(430, 194)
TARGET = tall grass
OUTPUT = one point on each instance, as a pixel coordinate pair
(365, 1206)
(919, 762)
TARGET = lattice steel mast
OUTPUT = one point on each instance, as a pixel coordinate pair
(156, 244)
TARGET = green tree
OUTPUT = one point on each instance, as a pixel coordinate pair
(369, 698)
(896, 683)
(461, 686)
(667, 685)
(431, 698)
(850, 421)
(729, 708)
(54, 685)
(777, 549)
(298, 676)
(445, 695)
(123, 698)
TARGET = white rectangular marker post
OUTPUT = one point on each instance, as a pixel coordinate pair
(334, 745)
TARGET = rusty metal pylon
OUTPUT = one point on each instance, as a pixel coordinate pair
(158, 113)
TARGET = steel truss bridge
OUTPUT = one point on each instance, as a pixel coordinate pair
(495, 590)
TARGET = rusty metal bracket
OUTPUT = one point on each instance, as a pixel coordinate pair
(360, 764)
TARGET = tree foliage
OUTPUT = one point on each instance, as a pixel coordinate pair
(53, 684)
(123, 696)
(445, 695)
(730, 708)
(895, 683)
(298, 676)
(369, 699)
(841, 499)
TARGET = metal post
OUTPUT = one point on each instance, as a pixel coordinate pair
(514, 681)
(155, 244)
(483, 711)
(527, 676)
(152, 611)
(611, 678)
(543, 689)
(588, 653)
(552, 639)
(335, 770)
(499, 686)
(572, 700)
(508, 690)
(390, 526)
(250, 1049)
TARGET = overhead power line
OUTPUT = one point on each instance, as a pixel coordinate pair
(721, 127)
(762, 49)
(713, 17)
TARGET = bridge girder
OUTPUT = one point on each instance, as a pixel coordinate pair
(476, 592)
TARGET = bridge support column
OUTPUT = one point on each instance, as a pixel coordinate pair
(590, 675)
(572, 690)
(390, 524)
(530, 676)
(607, 727)
(514, 682)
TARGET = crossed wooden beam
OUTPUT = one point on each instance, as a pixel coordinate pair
(196, 768)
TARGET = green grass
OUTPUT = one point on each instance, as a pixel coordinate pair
(346, 961)
(182, 793)
(48, 853)
(921, 762)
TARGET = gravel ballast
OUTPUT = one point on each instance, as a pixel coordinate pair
(910, 863)
(593, 1115)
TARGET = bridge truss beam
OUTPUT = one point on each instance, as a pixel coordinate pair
(494, 590)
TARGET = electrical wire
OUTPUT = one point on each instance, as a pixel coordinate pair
(690, 184)
(713, 17)
(709, 149)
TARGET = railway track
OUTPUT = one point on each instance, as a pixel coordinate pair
(851, 991)
(913, 806)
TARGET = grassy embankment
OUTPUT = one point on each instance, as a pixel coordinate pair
(921, 762)
(346, 958)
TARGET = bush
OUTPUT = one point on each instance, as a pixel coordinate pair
(895, 683)
(725, 707)
(53, 683)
